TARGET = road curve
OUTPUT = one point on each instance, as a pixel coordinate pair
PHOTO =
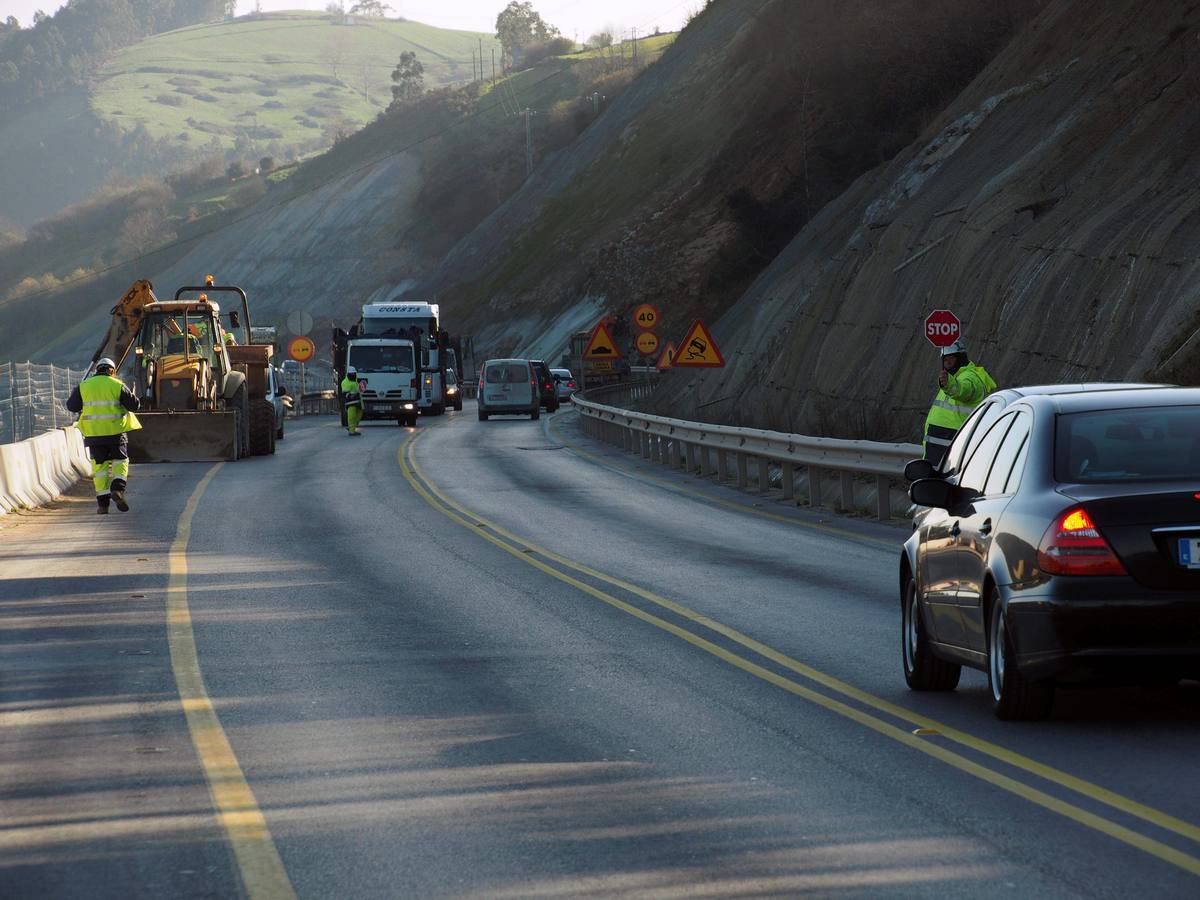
(501, 660)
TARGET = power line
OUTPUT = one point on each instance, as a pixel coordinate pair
(303, 192)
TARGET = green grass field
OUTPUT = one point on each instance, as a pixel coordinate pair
(282, 78)
(651, 47)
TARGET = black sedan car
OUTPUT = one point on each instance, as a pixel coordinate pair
(1061, 545)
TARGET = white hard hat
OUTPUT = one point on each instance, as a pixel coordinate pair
(105, 361)
(956, 347)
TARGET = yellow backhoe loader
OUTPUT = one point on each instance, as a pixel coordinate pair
(202, 399)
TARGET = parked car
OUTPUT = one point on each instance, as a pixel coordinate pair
(508, 387)
(545, 381)
(278, 396)
(564, 383)
(453, 390)
(1061, 544)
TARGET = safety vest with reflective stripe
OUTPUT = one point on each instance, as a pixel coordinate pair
(964, 391)
(350, 392)
(103, 415)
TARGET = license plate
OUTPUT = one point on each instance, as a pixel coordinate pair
(382, 407)
(497, 397)
(1189, 552)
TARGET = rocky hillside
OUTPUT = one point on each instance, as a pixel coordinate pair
(1053, 206)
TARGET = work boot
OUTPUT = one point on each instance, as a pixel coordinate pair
(118, 494)
(102, 506)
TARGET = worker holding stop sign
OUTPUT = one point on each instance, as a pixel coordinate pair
(962, 385)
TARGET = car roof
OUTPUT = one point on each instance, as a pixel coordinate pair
(561, 369)
(1084, 387)
(1137, 398)
(498, 361)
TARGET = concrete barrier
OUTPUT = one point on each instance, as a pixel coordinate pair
(35, 471)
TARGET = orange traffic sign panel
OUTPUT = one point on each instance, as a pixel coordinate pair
(665, 358)
(301, 349)
(645, 316)
(646, 343)
(698, 349)
(601, 345)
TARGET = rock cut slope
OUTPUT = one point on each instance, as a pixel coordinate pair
(1053, 206)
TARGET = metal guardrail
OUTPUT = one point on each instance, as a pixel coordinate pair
(866, 471)
(317, 403)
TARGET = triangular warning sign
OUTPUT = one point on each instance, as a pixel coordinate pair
(664, 358)
(601, 345)
(698, 349)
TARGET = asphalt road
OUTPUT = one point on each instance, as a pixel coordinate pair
(501, 660)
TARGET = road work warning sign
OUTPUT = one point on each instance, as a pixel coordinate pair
(601, 345)
(698, 349)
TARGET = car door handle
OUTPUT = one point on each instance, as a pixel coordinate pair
(986, 527)
(955, 531)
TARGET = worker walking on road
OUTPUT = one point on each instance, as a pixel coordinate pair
(963, 385)
(106, 410)
(352, 400)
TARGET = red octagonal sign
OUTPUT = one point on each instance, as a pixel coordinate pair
(942, 328)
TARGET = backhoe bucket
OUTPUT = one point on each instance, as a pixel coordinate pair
(184, 437)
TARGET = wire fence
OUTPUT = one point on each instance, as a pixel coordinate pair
(33, 399)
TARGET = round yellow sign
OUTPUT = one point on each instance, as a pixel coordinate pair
(645, 316)
(301, 349)
(647, 343)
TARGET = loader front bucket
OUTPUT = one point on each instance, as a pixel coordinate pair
(184, 437)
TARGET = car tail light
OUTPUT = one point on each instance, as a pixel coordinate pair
(570, 384)
(1072, 545)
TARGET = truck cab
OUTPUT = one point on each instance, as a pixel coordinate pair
(388, 377)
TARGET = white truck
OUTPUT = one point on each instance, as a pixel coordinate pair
(416, 321)
(388, 371)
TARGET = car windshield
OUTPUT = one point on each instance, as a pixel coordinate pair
(1156, 444)
(381, 359)
(506, 373)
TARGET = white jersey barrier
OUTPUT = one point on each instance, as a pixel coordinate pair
(869, 473)
(35, 471)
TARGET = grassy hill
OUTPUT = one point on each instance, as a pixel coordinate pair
(284, 78)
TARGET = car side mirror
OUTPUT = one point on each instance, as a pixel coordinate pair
(917, 469)
(938, 493)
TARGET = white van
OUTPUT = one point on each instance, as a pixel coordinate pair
(508, 387)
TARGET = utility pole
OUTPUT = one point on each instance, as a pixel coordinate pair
(472, 65)
(528, 143)
(635, 46)
(481, 60)
(493, 67)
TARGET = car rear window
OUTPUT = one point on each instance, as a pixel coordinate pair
(1154, 444)
(506, 373)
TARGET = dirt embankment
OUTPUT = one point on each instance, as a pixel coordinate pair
(1053, 206)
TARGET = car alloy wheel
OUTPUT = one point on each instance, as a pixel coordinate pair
(922, 670)
(1014, 697)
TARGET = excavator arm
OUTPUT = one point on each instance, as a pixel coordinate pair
(126, 320)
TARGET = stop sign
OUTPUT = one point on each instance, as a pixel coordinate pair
(942, 328)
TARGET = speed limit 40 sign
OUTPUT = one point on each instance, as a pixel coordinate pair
(942, 328)
(645, 317)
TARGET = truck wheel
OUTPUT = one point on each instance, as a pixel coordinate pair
(483, 417)
(458, 405)
(241, 407)
(437, 409)
(537, 413)
(262, 428)
(279, 431)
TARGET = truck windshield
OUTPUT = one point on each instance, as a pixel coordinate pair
(381, 359)
(172, 335)
(410, 329)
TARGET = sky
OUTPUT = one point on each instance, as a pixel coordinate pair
(576, 19)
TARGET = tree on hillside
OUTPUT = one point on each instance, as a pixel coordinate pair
(519, 25)
(408, 79)
(600, 40)
(371, 8)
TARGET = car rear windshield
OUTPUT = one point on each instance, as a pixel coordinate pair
(1155, 444)
(382, 359)
(506, 373)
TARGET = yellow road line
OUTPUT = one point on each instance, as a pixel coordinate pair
(258, 862)
(552, 426)
(1017, 760)
(493, 533)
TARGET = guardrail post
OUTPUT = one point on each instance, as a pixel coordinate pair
(647, 448)
(787, 473)
(847, 492)
(691, 457)
(764, 475)
(630, 439)
(883, 487)
(722, 466)
(705, 464)
(814, 486)
(741, 470)
(659, 448)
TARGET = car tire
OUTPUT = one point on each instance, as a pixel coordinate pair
(458, 405)
(483, 417)
(1014, 697)
(536, 414)
(922, 670)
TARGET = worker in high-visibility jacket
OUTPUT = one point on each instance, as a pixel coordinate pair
(962, 387)
(106, 409)
(352, 400)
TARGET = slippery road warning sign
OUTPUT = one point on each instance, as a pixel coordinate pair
(698, 349)
(942, 328)
(664, 358)
(601, 345)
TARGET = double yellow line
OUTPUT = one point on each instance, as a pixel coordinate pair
(838, 696)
